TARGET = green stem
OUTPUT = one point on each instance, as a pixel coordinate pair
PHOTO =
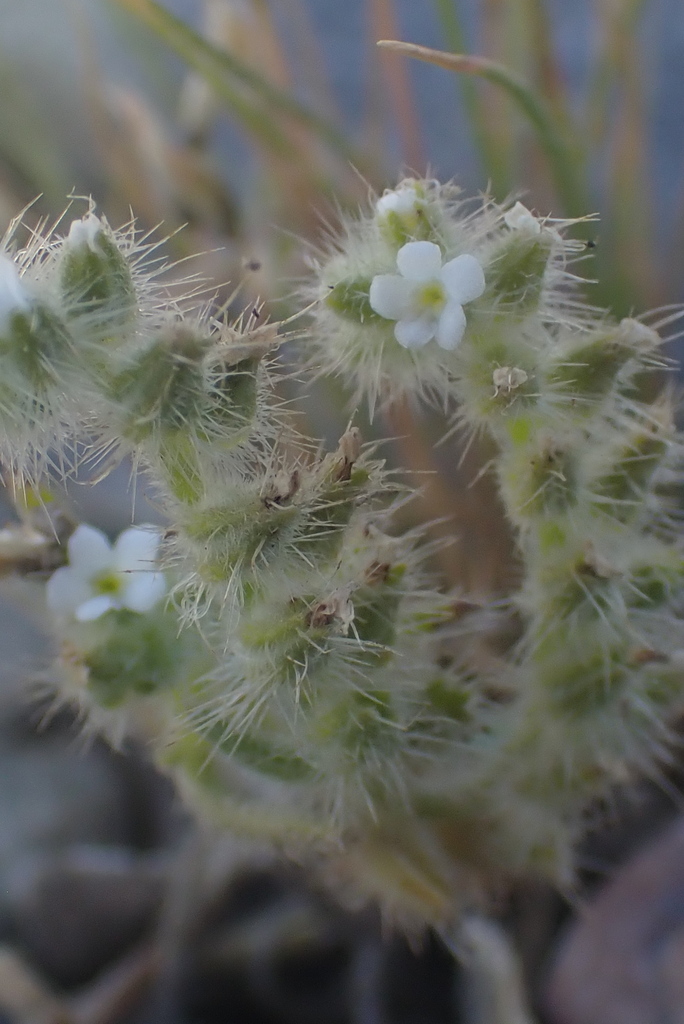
(221, 69)
(562, 153)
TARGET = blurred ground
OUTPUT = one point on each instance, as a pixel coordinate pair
(113, 908)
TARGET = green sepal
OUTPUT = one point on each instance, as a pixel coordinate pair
(38, 343)
(194, 755)
(235, 394)
(322, 531)
(163, 389)
(96, 283)
(515, 273)
(621, 491)
(363, 725)
(258, 754)
(581, 688)
(351, 300)
(244, 534)
(590, 369)
(135, 655)
(376, 605)
(540, 479)
(178, 460)
(399, 228)
(283, 627)
(655, 586)
(577, 592)
(450, 700)
(284, 636)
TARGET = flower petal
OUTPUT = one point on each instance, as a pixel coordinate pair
(400, 200)
(451, 326)
(415, 333)
(419, 261)
(83, 233)
(143, 591)
(95, 607)
(137, 549)
(463, 278)
(66, 590)
(89, 551)
(390, 296)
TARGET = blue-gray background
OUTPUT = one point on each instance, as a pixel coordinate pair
(43, 41)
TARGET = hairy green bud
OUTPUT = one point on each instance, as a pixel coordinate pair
(97, 281)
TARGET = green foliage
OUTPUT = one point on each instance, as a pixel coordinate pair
(306, 677)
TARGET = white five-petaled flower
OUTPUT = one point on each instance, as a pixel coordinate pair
(519, 218)
(101, 576)
(426, 298)
(400, 200)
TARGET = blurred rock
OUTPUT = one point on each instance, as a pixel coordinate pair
(622, 962)
(71, 910)
(24, 646)
(52, 795)
(76, 911)
(22, 993)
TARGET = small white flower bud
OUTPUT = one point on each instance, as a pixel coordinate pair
(519, 218)
(97, 280)
(401, 200)
(637, 335)
(83, 233)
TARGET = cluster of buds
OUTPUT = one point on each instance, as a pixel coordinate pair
(484, 313)
(280, 646)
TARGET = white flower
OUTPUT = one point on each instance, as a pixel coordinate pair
(401, 200)
(100, 577)
(425, 298)
(519, 218)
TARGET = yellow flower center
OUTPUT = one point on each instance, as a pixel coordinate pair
(432, 297)
(107, 582)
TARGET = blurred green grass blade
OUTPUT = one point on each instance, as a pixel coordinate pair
(26, 144)
(226, 74)
(399, 93)
(619, 28)
(251, 116)
(490, 152)
(548, 73)
(562, 153)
